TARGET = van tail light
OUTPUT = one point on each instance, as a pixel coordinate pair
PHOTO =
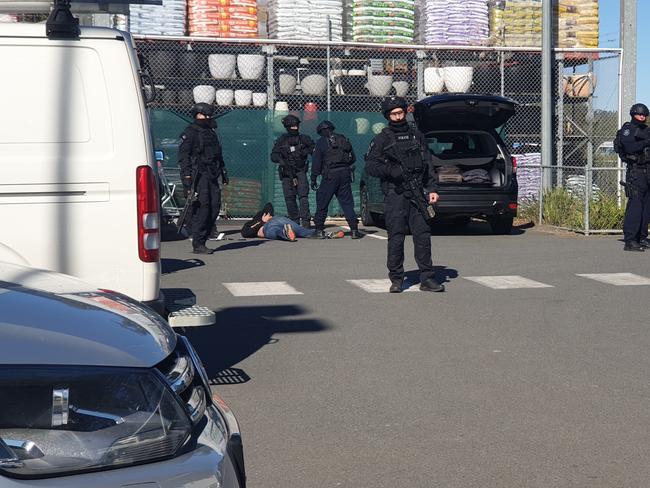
(148, 215)
(512, 206)
(514, 164)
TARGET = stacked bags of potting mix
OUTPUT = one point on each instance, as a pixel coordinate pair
(383, 21)
(577, 23)
(516, 22)
(459, 22)
(222, 18)
(306, 19)
(167, 19)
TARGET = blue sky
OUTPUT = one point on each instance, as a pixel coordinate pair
(609, 37)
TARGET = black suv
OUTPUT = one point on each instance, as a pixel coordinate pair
(476, 174)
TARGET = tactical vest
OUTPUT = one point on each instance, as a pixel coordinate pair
(339, 153)
(406, 147)
(206, 152)
(293, 148)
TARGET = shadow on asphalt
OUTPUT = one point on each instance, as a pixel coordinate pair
(443, 275)
(472, 229)
(240, 332)
(171, 265)
(240, 245)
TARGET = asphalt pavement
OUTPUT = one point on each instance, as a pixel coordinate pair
(524, 373)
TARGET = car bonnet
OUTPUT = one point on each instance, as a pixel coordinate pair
(77, 326)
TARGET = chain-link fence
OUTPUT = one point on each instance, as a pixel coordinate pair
(253, 84)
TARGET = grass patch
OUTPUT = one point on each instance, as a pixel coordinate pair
(562, 209)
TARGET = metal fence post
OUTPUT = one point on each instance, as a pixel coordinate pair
(270, 87)
(588, 179)
(420, 73)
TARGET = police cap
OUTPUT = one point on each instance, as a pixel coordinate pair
(639, 109)
(290, 121)
(203, 108)
(391, 103)
(325, 125)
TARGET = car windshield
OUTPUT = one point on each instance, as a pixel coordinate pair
(452, 145)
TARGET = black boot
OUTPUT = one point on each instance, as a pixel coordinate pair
(395, 286)
(355, 234)
(633, 246)
(431, 285)
(306, 223)
(645, 242)
(318, 234)
(202, 249)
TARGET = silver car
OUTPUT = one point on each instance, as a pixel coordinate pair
(98, 391)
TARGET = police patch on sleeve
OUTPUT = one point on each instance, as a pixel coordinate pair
(626, 132)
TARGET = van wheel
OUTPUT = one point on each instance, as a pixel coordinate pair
(501, 224)
(367, 218)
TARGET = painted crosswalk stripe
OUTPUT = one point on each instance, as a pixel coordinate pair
(507, 282)
(618, 279)
(261, 288)
(380, 286)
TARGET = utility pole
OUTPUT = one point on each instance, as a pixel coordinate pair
(628, 43)
(547, 93)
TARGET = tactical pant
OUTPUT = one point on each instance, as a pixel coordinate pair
(205, 210)
(339, 183)
(401, 215)
(637, 212)
(301, 190)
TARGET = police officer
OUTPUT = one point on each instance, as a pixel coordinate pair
(291, 151)
(397, 148)
(332, 161)
(201, 163)
(634, 146)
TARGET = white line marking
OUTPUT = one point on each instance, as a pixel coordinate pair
(375, 236)
(618, 279)
(507, 282)
(261, 288)
(380, 286)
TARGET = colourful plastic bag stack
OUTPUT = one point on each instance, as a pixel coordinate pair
(167, 19)
(449, 22)
(384, 21)
(577, 24)
(222, 18)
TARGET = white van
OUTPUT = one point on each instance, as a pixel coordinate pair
(78, 194)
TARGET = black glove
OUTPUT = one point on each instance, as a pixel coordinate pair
(314, 185)
(224, 177)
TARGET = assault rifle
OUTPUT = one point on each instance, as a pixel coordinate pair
(189, 201)
(413, 185)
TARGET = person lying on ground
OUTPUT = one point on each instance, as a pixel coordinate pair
(266, 225)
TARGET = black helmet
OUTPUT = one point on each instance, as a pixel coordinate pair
(290, 121)
(203, 108)
(325, 125)
(391, 103)
(639, 109)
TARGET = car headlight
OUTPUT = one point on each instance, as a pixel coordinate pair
(58, 420)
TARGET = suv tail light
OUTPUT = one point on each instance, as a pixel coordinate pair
(148, 215)
(514, 164)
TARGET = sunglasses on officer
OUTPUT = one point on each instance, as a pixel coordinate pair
(396, 113)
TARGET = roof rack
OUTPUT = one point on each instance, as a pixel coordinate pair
(61, 24)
